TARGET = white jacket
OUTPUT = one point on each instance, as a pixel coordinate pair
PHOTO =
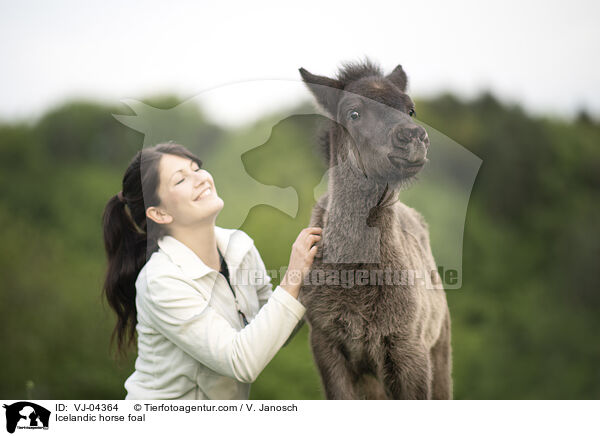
(191, 339)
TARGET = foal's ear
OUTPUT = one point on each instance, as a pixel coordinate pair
(398, 78)
(327, 91)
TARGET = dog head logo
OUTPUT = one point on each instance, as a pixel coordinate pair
(26, 415)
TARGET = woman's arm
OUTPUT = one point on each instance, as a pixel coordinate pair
(301, 258)
(179, 312)
(265, 288)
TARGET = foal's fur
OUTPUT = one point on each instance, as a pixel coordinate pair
(374, 340)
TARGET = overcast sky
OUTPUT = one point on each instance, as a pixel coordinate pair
(542, 54)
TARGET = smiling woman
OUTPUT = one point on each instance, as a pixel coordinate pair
(200, 335)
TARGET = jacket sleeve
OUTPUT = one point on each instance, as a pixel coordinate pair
(183, 315)
(264, 288)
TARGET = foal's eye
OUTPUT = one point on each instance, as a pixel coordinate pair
(412, 113)
(354, 115)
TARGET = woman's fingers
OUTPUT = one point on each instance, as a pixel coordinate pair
(303, 253)
(311, 230)
(306, 243)
(310, 240)
(309, 236)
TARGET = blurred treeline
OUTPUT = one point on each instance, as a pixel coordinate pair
(525, 322)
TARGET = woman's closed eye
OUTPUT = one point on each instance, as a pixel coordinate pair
(183, 178)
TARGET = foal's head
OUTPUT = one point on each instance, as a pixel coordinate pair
(374, 126)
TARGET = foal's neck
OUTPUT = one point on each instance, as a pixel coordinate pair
(350, 236)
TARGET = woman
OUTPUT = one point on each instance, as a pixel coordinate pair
(206, 316)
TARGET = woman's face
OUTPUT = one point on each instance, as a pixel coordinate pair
(187, 193)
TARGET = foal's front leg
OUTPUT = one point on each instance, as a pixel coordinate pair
(406, 370)
(336, 376)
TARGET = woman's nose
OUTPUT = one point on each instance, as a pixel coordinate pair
(202, 177)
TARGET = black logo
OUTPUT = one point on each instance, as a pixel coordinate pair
(26, 415)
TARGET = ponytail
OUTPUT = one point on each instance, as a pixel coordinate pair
(130, 238)
(126, 252)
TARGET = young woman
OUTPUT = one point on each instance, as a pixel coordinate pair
(206, 316)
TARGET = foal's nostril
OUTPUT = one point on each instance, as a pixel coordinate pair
(421, 136)
(403, 136)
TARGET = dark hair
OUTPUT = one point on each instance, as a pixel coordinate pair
(130, 238)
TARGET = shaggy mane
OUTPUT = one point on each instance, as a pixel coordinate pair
(351, 71)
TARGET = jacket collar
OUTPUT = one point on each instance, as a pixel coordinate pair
(233, 244)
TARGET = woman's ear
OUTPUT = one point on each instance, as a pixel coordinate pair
(158, 215)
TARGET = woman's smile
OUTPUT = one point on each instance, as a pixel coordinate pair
(205, 191)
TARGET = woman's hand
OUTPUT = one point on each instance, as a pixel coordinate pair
(301, 259)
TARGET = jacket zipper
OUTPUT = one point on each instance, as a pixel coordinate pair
(225, 273)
